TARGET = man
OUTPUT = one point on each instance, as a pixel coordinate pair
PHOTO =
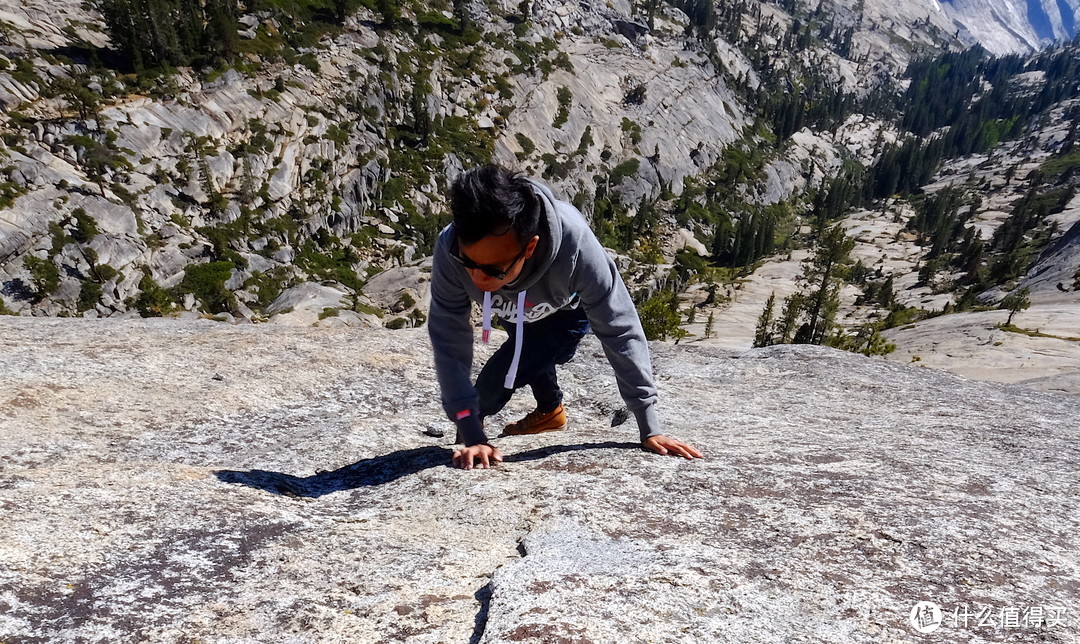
(534, 261)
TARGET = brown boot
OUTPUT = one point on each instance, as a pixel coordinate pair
(537, 422)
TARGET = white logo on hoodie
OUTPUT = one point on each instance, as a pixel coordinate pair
(506, 308)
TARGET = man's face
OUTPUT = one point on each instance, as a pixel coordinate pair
(496, 254)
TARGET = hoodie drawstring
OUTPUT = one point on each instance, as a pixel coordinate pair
(486, 334)
(511, 373)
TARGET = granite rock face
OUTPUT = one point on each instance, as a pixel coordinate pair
(177, 481)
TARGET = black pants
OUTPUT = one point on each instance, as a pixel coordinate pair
(546, 343)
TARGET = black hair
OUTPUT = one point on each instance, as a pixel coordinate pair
(491, 200)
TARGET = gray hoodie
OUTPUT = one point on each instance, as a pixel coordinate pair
(568, 269)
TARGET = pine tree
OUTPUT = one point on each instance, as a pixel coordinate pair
(822, 273)
(763, 335)
(1015, 302)
(789, 318)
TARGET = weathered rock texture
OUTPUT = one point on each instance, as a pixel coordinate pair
(179, 481)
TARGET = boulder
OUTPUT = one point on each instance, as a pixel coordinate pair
(302, 304)
(170, 480)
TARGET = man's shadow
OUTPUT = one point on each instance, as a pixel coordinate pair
(381, 469)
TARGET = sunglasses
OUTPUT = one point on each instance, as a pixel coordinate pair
(492, 271)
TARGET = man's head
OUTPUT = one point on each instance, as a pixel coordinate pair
(496, 218)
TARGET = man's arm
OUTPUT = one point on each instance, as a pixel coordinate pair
(614, 319)
(452, 343)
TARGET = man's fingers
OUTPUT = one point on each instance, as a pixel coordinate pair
(480, 457)
(689, 452)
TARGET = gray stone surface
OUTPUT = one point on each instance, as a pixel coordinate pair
(178, 481)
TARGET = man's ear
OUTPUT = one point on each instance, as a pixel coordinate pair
(531, 248)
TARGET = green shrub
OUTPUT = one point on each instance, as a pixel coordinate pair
(565, 96)
(152, 301)
(625, 169)
(527, 146)
(207, 283)
(660, 317)
(44, 274)
(89, 295)
(267, 286)
(85, 227)
(103, 272)
(586, 140)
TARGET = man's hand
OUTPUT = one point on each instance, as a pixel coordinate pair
(668, 445)
(484, 455)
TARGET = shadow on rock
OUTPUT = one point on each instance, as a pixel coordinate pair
(366, 473)
(550, 450)
(381, 469)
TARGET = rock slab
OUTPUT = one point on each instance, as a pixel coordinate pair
(179, 481)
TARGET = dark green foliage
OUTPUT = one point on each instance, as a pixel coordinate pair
(687, 262)
(1015, 302)
(308, 60)
(333, 261)
(9, 192)
(633, 129)
(1019, 239)
(763, 333)
(164, 33)
(903, 316)
(527, 146)
(586, 141)
(152, 301)
(339, 134)
(103, 272)
(85, 228)
(702, 14)
(1061, 167)
(75, 91)
(660, 316)
(866, 339)
(222, 237)
(751, 237)
(267, 286)
(625, 169)
(98, 158)
(823, 273)
(44, 274)
(816, 304)
(564, 97)
(834, 200)
(947, 91)
(207, 283)
(820, 106)
(89, 296)
(941, 89)
(636, 95)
